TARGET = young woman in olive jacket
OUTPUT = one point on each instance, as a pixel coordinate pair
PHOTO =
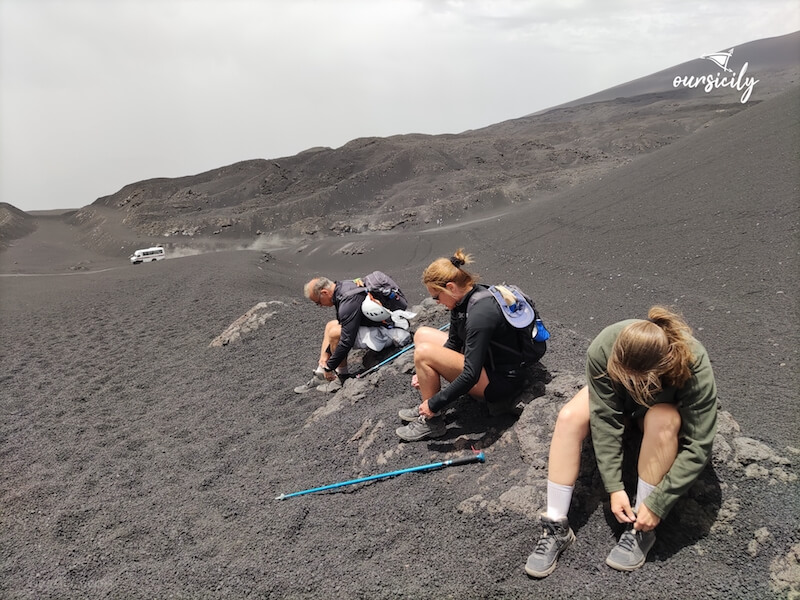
(653, 374)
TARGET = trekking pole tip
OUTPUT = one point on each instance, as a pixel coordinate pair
(479, 455)
(281, 497)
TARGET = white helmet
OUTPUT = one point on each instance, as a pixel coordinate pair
(374, 311)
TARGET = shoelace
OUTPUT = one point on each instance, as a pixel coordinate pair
(628, 540)
(545, 541)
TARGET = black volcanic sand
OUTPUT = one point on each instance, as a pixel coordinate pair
(138, 462)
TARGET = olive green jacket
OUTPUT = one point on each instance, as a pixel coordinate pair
(610, 405)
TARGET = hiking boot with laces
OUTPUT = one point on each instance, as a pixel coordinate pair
(330, 386)
(422, 429)
(311, 384)
(631, 550)
(409, 414)
(556, 537)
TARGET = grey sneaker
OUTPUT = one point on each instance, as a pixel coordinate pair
(631, 550)
(409, 414)
(422, 429)
(311, 384)
(330, 386)
(557, 536)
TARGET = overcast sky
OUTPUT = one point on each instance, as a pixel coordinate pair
(97, 94)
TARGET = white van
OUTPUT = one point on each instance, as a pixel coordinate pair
(148, 255)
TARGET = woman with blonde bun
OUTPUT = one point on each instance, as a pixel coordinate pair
(479, 355)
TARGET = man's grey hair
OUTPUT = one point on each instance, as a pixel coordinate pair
(315, 286)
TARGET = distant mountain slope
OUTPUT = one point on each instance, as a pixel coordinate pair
(411, 181)
(773, 61)
(14, 224)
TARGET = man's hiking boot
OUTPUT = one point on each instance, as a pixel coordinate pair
(631, 550)
(557, 536)
(330, 386)
(311, 384)
(422, 429)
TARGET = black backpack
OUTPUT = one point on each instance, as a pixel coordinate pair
(383, 289)
(520, 311)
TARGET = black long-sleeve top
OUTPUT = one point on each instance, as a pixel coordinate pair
(473, 336)
(347, 298)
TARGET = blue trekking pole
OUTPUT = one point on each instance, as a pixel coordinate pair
(393, 356)
(383, 362)
(478, 457)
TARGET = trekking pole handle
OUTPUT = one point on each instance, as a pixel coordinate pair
(479, 457)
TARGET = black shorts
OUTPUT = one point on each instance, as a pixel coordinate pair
(504, 385)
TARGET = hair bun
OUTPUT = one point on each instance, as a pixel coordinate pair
(457, 262)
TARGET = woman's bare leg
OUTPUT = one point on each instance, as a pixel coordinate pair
(572, 427)
(662, 423)
(433, 361)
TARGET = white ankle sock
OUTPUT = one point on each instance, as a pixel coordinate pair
(559, 498)
(643, 490)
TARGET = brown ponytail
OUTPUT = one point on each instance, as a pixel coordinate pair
(650, 354)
